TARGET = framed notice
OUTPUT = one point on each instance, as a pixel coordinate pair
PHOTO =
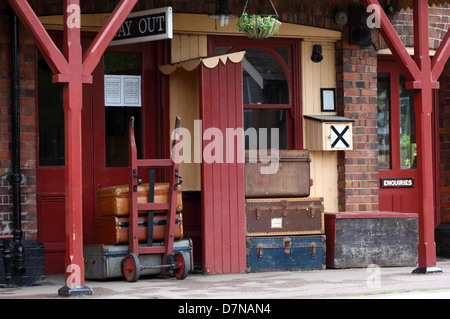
(328, 100)
(123, 90)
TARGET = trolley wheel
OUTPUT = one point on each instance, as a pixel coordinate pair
(131, 267)
(182, 262)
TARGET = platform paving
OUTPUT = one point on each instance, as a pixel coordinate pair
(362, 283)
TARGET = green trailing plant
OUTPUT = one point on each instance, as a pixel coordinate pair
(257, 27)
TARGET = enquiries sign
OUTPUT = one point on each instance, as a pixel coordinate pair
(407, 182)
(143, 26)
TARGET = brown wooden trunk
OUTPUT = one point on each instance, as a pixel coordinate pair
(113, 201)
(284, 216)
(112, 230)
(291, 177)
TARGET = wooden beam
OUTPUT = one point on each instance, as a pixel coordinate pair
(441, 56)
(73, 69)
(390, 36)
(53, 56)
(94, 53)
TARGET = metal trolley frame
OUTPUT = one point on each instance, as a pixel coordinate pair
(177, 262)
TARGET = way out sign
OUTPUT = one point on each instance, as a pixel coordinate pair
(340, 136)
(144, 26)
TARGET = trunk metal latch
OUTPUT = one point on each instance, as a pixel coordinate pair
(311, 210)
(287, 245)
(313, 249)
(259, 251)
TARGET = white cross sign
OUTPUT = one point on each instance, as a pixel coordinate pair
(340, 136)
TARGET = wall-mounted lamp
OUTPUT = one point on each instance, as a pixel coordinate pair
(317, 53)
(223, 13)
(340, 17)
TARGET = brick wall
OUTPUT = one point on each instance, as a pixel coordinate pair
(27, 129)
(357, 99)
(438, 21)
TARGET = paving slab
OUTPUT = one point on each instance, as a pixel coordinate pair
(372, 282)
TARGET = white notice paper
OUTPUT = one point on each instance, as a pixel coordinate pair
(113, 91)
(132, 90)
(123, 90)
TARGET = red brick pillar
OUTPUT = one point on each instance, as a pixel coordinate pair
(357, 99)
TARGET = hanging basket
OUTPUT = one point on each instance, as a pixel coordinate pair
(257, 26)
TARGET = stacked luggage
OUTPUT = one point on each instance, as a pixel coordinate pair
(111, 227)
(285, 227)
(111, 238)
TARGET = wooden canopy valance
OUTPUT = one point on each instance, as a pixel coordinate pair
(403, 4)
(209, 62)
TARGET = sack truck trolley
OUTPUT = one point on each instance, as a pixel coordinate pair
(178, 263)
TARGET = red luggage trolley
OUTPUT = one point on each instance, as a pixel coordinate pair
(177, 262)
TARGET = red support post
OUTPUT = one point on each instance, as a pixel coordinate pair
(49, 50)
(440, 57)
(420, 78)
(68, 69)
(423, 99)
(73, 104)
(390, 36)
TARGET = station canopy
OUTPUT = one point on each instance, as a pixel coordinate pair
(403, 4)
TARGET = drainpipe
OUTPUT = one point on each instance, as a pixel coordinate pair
(15, 177)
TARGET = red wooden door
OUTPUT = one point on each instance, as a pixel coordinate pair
(110, 127)
(105, 140)
(398, 188)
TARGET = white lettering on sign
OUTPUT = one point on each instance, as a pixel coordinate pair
(125, 29)
(148, 24)
(74, 16)
(144, 26)
(397, 182)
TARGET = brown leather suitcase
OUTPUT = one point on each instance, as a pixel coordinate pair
(290, 174)
(284, 216)
(113, 200)
(113, 230)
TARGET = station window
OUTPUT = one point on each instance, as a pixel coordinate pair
(267, 88)
(397, 146)
(118, 117)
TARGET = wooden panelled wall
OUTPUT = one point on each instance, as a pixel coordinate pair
(315, 76)
(223, 186)
(184, 98)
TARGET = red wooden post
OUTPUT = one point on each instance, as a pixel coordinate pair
(423, 79)
(73, 103)
(423, 99)
(69, 69)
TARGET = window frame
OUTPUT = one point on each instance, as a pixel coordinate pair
(292, 70)
(394, 73)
